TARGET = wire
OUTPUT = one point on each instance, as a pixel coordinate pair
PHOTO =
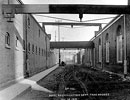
(75, 27)
(98, 19)
(75, 20)
(58, 18)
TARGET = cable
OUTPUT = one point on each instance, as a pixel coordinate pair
(74, 20)
(98, 19)
(58, 18)
(75, 27)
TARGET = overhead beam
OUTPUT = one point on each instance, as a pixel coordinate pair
(76, 24)
(72, 44)
(65, 9)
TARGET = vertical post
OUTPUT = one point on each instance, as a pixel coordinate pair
(102, 53)
(59, 41)
(125, 60)
(8, 2)
(128, 2)
(46, 52)
(26, 55)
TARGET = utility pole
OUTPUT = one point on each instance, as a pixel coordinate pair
(59, 41)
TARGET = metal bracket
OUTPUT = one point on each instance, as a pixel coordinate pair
(8, 13)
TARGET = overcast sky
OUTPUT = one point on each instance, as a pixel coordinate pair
(79, 33)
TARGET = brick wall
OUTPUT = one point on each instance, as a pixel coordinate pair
(37, 37)
(12, 58)
(111, 31)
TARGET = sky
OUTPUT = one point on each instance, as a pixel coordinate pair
(79, 33)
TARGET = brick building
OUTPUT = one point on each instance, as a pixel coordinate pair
(110, 44)
(24, 47)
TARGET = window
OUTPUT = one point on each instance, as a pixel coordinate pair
(39, 32)
(28, 22)
(99, 51)
(17, 41)
(24, 44)
(90, 54)
(36, 50)
(28, 46)
(7, 39)
(39, 51)
(42, 52)
(32, 48)
(107, 48)
(119, 45)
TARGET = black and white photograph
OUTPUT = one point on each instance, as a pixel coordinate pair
(64, 49)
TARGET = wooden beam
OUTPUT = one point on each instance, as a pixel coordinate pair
(76, 24)
(65, 9)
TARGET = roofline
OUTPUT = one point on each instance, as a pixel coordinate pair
(34, 19)
(107, 26)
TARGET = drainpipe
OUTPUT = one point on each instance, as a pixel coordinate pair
(125, 60)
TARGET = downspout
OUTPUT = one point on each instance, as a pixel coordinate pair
(125, 59)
